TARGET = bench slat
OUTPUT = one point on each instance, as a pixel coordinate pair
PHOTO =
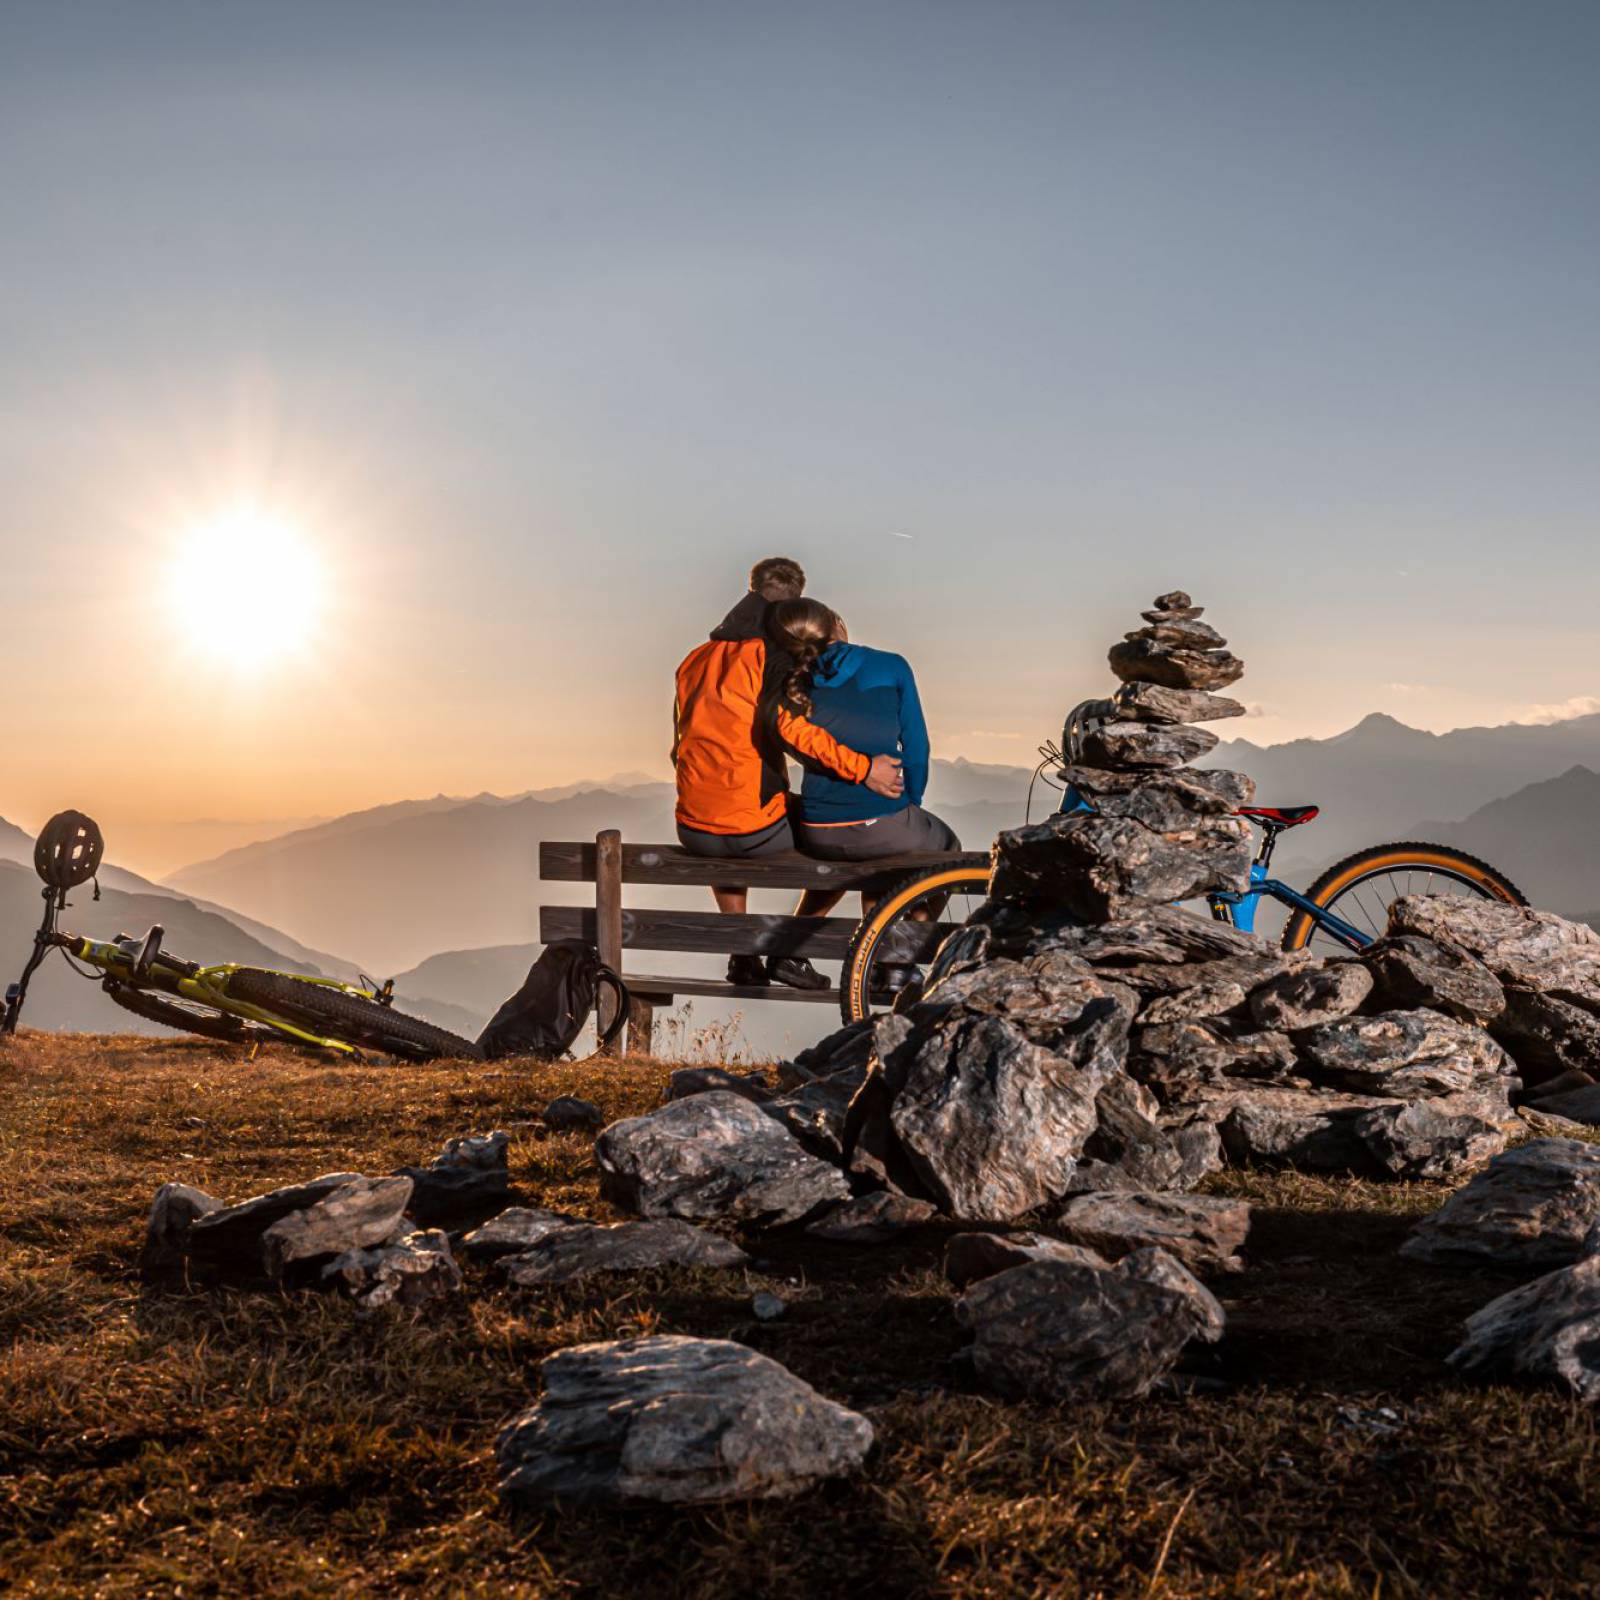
(712, 933)
(573, 861)
(660, 990)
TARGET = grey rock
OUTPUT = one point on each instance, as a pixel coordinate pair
(1405, 1055)
(412, 1270)
(230, 1239)
(1531, 1207)
(175, 1208)
(1414, 1140)
(1055, 1330)
(356, 1216)
(815, 1114)
(872, 1219)
(1409, 971)
(1547, 1332)
(514, 1230)
(1536, 949)
(1204, 1232)
(674, 1420)
(1130, 1149)
(1180, 1060)
(467, 1179)
(1547, 1034)
(1145, 744)
(767, 1306)
(847, 1050)
(584, 1249)
(1146, 661)
(1149, 702)
(1099, 867)
(1145, 936)
(1161, 798)
(699, 1080)
(1311, 995)
(1181, 633)
(713, 1155)
(994, 1110)
(569, 1114)
(1175, 600)
(1211, 994)
(971, 1256)
(1578, 1105)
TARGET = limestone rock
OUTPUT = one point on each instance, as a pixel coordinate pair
(514, 1230)
(872, 1219)
(1203, 1232)
(1055, 1330)
(1410, 971)
(1547, 1331)
(1120, 745)
(713, 1155)
(1405, 1055)
(698, 1080)
(1309, 996)
(1098, 867)
(355, 1216)
(414, 1269)
(971, 1256)
(1149, 702)
(674, 1420)
(230, 1239)
(583, 1249)
(569, 1114)
(1532, 1207)
(175, 1208)
(1143, 660)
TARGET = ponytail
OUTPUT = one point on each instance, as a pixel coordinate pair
(801, 630)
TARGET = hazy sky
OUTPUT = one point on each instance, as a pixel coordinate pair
(537, 323)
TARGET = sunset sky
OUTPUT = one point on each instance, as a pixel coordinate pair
(391, 394)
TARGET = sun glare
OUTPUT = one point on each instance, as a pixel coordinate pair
(247, 588)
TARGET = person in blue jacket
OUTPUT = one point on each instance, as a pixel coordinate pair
(867, 699)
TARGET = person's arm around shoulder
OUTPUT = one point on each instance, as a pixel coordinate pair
(881, 774)
(915, 749)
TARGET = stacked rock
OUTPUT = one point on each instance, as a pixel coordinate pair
(1152, 831)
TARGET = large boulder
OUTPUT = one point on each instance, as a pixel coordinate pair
(1406, 1055)
(674, 1420)
(1204, 1232)
(1532, 1207)
(713, 1155)
(585, 1249)
(1150, 702)
(1547, 1331)
(1536, 949)
(1138, 745)
(1057, 1330)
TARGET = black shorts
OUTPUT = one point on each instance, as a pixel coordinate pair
(769, 841)
(901, 833)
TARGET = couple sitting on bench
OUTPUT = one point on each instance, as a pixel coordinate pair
(779, 678)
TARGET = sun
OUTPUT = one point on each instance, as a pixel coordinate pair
(247, 588)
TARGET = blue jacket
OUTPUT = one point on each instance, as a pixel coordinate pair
(867, 699)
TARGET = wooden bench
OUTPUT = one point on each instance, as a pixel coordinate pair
(611, 927)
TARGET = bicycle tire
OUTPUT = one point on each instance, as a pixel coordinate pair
(855, 987)
(1347, 875)
(344, 1016)
(209, 1024)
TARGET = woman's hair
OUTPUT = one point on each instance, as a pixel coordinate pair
(802, 630)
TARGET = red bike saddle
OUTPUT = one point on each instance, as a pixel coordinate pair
(1280, 816)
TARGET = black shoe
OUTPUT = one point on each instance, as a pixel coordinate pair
(796, 972)
(889, 980)
(749, 972)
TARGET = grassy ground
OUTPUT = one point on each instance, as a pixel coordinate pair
(208, 1443)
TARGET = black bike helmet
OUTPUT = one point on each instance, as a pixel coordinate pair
(68, 851)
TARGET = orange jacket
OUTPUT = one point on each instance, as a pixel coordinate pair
(729, 756)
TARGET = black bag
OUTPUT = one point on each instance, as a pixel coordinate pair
(548, 1012)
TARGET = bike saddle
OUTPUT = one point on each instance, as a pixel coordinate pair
(1280, 816)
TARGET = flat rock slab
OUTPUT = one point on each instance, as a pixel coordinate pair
(1410, 971)
(701, 1080)
(1577, 1105)
(872, 1219)
(713, 1155)
(230, 1238)
(1547, 1332)
(1203, 1232)
(409, 1272)
(1146, 744)
(1057, 1330)
(677, 1421)
(1405, 1055)
(567, 1113)
(971, 1256)
(515, 1229)
(1310, 996)
(355, 1216)
(1173, 667)
(1532, 1207)
(583, 1249)
(1149, 702)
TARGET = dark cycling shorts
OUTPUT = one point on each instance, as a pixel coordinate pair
(769, 841)
(901, 833)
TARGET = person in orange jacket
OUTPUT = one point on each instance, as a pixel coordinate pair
(733, 785)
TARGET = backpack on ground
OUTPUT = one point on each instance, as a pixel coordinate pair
(548, 1012)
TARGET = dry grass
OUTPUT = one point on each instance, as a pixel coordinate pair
(223, 1442)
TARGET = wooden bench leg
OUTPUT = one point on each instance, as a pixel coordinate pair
(608, 920)
(641, 1027)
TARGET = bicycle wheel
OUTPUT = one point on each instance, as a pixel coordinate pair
(1361, 888)
(905, 928)
(188, 1016)
(338, 1014)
